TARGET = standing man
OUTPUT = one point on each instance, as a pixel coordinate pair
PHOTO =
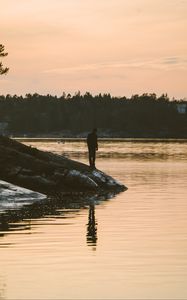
(92, 147)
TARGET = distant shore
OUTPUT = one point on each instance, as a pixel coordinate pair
(103, 134)
(102, 139)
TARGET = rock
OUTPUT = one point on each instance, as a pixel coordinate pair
(47, 173)
(14, 197)
(101, 177)
(77, 178)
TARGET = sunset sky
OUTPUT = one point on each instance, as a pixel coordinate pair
(122, 47)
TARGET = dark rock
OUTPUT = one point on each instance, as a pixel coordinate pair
(47, 173)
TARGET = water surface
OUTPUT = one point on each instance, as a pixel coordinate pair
(133, 246)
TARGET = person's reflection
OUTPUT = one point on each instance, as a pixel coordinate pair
(91, 227)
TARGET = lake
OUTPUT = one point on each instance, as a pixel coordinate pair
(132, 246)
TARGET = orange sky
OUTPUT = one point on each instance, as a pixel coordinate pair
(122, 47)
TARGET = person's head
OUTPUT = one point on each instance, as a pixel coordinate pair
(95, 130)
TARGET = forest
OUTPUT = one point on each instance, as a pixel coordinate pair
(143, 115)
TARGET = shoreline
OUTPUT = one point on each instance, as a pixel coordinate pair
(55, 176)
(102, 139)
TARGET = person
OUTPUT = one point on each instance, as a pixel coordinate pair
(91, 227)
(92, 147)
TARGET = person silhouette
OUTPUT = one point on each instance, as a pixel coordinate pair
(92, 147)
(91, 227)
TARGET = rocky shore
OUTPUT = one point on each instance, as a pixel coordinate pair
(13, 197)
(47, 174)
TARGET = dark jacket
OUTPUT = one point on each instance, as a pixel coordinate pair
(92, 141)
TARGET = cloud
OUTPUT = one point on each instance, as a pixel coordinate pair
(162, 63)
(171, 60)
(174, 63)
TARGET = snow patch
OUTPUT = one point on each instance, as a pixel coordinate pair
(12, 196)
(99, 175)
(106, 179)
(86, 180)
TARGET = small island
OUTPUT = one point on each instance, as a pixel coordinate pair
(48, 174)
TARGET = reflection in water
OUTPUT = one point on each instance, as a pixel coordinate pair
(91, 227)
(134, 149)
(21, 220)
(4, 226)
(142, 249)
(56, 207)
(8, 222)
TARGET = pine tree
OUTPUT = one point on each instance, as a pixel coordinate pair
(3, 54)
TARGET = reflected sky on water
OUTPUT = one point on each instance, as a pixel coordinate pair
(116, 148)
(131, 246)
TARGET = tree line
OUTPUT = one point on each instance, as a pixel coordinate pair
(143, 115)
(139, 116)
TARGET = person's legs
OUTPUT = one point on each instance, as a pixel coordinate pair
(92, 157)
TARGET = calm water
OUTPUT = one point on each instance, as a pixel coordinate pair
(133, 246)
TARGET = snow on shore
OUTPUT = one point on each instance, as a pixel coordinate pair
(14, 197)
